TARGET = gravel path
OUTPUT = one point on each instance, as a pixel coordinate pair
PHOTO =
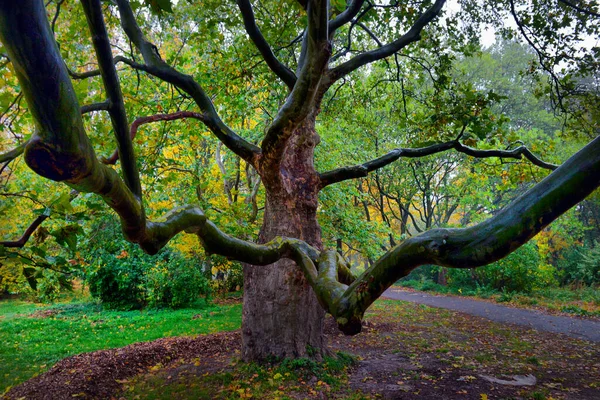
(570, 326)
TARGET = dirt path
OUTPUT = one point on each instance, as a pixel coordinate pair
(570, 326)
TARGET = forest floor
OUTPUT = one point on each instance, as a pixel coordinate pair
(406, 351)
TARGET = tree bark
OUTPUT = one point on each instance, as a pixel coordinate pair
(282, 316)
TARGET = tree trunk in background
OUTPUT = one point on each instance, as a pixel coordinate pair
(282, 317)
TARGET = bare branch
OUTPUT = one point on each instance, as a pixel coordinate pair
(362, 170)
(83, 75)
(345, 16)
(14, 153)
(156, 66)
(281, 70)
(153, 118)
(480, 244)
(88, 108)
(413, 35)
(27, 234)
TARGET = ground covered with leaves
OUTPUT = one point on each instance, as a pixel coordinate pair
(405, 351)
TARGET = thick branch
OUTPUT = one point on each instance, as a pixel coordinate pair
(281, 70)
(156, 66)
(88, 108)
(362, 170)
(413, 35)
(345, 16)
(118, 116)
(300, 103)
(480, 244)
(152, 118)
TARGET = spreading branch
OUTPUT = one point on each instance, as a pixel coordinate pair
(477, 245)
(300, 102)
(116, 109)
(345, 16)
(156, 66)
(413, 35)
(152, 118)
(362, 170)
(27, 234)
(281, 70)
(12, 154)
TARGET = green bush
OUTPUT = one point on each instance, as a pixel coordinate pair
(175, 283)
(118, 283)
(521, 271)
(580, 265)
(123, 277)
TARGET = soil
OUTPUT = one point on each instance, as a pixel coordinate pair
(396, 361)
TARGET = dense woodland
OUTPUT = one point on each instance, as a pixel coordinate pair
(508, 113)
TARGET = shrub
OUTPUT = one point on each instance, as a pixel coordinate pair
(123, 277)
(118, 283)
(176, 283)
(522, 271)
(580, 265)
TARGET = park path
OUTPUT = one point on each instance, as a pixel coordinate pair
(570, 326)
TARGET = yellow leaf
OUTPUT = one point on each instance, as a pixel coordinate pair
(483, 396)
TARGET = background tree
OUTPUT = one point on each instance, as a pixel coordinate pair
(311, 47)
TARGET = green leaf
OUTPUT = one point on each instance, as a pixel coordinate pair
(63, 203)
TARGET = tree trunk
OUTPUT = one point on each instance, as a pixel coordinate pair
(282, 317)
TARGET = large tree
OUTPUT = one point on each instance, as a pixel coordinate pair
(290, 280)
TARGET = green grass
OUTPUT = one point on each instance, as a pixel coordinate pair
(32, 344)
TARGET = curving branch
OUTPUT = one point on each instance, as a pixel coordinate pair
(362, 170)
(27, 234)
(88, 108)
(281, 70)
(345, 16)
(152, 118)
(301, 101)
(480, 244)
(156, 66)
(413, 35)
(116, 106)
(580, 9)
(83, 75)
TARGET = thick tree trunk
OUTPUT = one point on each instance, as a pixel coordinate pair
(282, 317)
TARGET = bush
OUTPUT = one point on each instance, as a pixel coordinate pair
(118, 283)
(175, 283)
(123, 277)
(522, 271)
(580, 265)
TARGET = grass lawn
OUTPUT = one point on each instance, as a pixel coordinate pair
(34, 337)
(405, 351)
